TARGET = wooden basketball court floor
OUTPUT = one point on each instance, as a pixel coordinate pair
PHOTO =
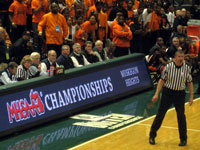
(135, 136)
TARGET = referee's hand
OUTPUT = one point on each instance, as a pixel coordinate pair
(154, 98)
(190, 101)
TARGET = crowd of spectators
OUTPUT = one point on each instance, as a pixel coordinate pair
(38, 34)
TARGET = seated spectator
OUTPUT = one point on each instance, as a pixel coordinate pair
(89, 27)
(110, 47)
(157, 46)
(178, 33)
(198, 89)
(65, 59)
(7, 76)
(99, 51)
(158, 60)
(49, 61)
(174, 47)
(35, 67)
(21, 47)
(89, 53)
(23, 72)
(78, 59)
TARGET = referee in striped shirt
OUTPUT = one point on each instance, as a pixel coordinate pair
(173, 81)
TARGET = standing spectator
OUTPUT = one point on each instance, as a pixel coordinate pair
(171, 15)
(121, 36)
(70, 39)
(80, 34)
(89, 53)
(116, 9)
(7, 75)
(164, 26)
(178, 20)
(78, 59)
(49, 61)
(173, 81)
(39, 8)
(56, 28)
(18, 12)
(65, 59)
(23, 72)
(5, 43)
(114, 22)
(4, 14)
(100, 51)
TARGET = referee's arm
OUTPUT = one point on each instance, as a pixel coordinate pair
(190, 88)
(158, 89)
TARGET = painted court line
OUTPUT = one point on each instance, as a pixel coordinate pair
(139, 122)
(195, 130)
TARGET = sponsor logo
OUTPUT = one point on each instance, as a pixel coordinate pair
(22, 109)
(111, 121)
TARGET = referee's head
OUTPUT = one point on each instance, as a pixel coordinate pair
(179, 57)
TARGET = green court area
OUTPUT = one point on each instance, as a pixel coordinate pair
(71, 131)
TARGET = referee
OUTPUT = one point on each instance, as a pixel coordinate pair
(173, 80)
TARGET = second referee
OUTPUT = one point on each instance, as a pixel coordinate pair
(173, 81)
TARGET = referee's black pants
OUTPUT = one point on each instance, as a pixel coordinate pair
(178, 99)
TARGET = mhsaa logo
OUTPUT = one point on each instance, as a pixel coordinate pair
(21, 110)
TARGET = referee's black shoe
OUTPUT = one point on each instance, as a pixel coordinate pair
(182, 143)
(152, 141)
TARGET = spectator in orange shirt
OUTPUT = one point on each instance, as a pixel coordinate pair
(18, 18)
(80, 34)
(56, 28)
(89, 27)
(121, 36)
(115, 21)
(39, 8)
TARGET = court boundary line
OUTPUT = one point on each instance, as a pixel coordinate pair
(136, 123)
(169, 127)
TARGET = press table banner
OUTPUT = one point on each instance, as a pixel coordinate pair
(31, 105)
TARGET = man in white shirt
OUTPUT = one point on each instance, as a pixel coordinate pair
(50, 61)
(7, 76)
(78, 59)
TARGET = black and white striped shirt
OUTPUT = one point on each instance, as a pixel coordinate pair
(176, 76)
(23, 73)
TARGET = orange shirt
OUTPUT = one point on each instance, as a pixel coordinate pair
(122, 35)
(79, 35)
(154, 22)
(51, 22)
(103, 25)
(88, 27)
(136, 4)
(19, 13)
(69, 4)
(34, 5)
(87, 3)
(91, 9)
(4, 35)
(111, 28)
